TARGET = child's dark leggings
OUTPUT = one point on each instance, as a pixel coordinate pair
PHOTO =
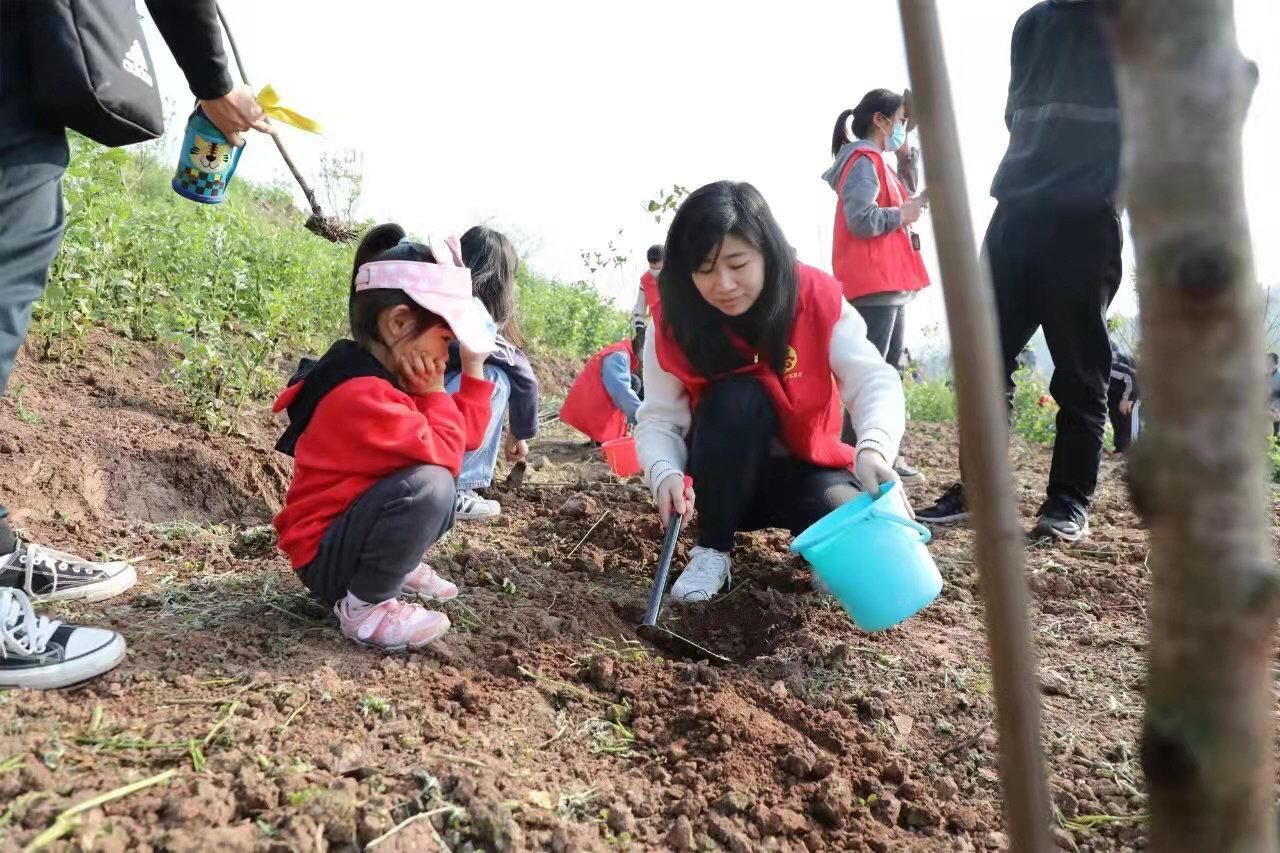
(742, 483)
(370, 549)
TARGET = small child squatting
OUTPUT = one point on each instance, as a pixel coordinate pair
(378, 443)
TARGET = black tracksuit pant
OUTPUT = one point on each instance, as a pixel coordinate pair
(742, 483)
(1059, 269)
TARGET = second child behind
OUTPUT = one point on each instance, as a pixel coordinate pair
(492, 259)
(378, 443)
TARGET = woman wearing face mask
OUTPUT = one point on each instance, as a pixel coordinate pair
(874, 254)
(648, 295)
(748, 358)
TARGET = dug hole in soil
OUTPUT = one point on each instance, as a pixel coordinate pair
(540, 723)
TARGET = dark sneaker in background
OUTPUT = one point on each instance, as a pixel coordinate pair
(949, 509)
(910, 476)
(1061, 519)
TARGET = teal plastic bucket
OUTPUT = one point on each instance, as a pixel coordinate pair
(873, 558)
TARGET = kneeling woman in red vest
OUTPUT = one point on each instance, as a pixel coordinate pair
(604, 399)
(748, 359)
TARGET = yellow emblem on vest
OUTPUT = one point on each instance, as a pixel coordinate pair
(792, 358)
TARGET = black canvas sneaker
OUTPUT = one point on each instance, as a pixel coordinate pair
(48, 575)
(951, 508)
(39, 653)
(1061, 519)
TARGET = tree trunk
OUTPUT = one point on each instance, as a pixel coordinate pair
(984, 438)
(1197, 471)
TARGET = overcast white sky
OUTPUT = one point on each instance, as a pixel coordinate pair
(558, 121)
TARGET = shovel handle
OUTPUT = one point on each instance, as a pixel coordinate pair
(664, 569)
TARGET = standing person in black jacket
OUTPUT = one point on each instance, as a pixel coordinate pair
(36, 651)
(1054, 242)
(1122, 398)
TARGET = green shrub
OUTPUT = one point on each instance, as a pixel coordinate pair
(567, 318)
(238, 289)
(1273, 458)
(1034, 412)
(1034, 416)
(933, 401)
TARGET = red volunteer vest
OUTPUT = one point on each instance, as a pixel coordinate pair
(884, 264)
(649, 285)
(805, 397)
(589, 409)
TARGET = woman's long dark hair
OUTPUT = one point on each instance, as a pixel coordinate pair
(705, 218)
(493, 261)
(881, 101)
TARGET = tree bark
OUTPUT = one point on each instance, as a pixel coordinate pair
(1197, 471)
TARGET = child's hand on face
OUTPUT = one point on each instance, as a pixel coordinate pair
(420, 373)
(472, 362)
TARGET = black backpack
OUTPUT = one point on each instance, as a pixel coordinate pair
(92, 71)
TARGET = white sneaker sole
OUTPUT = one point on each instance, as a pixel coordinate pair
(1050, 533)
(50, 677)
(957, 518)
(696, 596)
(423, 597)
(99, 591)
(404, 647)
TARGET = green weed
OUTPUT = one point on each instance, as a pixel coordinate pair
(27, 416)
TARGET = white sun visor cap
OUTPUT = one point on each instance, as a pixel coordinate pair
(443, 288)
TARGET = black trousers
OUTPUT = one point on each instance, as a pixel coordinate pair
(886, 325)
(373, 546)
(1121, 425)
(1059, 270)
(742, 484)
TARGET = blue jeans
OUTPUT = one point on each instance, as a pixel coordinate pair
(478, 465)
(31, 165)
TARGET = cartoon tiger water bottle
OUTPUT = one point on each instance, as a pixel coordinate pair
(207, 161)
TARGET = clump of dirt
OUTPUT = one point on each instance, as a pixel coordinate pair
(541, 722)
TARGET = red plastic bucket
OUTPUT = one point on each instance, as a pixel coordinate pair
(621, 456)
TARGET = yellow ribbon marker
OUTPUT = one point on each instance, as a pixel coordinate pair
(270, 103)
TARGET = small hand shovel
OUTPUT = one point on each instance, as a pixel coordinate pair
(669, 642)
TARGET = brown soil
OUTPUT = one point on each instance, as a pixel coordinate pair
(541, 723)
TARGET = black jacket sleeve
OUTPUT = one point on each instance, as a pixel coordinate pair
(191, 30)
(523, 406)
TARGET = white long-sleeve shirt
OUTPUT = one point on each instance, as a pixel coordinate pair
(869, 387)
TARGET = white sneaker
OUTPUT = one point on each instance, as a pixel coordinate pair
(706, 574)
(40, 653)
(48, 575)
(472, 507)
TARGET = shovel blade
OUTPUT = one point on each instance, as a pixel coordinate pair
(678, 646)
(515, 479)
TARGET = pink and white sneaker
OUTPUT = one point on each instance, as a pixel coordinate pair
(428, 586)
(392, 625)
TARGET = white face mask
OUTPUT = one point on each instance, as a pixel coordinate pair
(655, 271)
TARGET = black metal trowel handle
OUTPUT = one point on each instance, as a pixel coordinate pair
(664, 569)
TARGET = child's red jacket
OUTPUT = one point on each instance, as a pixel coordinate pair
(351, 425)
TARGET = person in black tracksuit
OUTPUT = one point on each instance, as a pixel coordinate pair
(1054, 241)
(33, 156)
(1122, 397)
